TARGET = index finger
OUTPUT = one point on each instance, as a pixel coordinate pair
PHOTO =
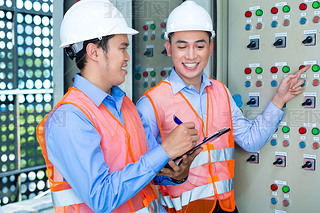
(301, 71)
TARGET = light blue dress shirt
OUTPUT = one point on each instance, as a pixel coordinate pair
(250, 135)
(74, 148)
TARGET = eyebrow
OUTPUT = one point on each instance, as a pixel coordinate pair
(184, 42)
(124, 44)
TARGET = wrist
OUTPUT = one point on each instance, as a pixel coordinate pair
(278, 101)
(179, 181)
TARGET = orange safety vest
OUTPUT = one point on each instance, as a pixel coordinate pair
(212, 171)
(120, 144)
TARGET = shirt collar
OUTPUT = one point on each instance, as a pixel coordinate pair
(93, 92)
(178, 84)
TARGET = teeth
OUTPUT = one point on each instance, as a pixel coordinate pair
(191, 65)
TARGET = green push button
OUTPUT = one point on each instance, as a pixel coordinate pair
(315, 68)
(137, 76)
(259, 70)
(315, 131)
(285, 129)
(152, 26)
(286, 189)
(286, 9)
(152, 73)
(316, 5)
(259, 12)
(285, 69)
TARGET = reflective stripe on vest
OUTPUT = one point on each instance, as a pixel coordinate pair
(197, 193)
(217, 155)
(155, 205)
(65, 198)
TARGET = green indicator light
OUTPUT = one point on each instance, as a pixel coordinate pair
(285, 69)
(169, 72)
(137, 76)
(259, 70)
(259, 12)
(315, 68)
(286, 9)
(285, 189)
(153, 73)
(316, 5)
(315, 131)
(285, 129)
(152, 26)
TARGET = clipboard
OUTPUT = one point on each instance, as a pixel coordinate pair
(206, 140)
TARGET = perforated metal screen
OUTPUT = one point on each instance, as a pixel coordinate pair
(25, 95)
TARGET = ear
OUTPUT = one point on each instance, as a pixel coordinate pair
(92, 51)
(168, 48)
(211, 48)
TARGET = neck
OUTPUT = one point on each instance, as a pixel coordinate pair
(95, 79)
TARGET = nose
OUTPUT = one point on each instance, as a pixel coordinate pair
(126, 56)
(191, 53)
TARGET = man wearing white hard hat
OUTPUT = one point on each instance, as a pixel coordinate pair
(190, 95)
(93, 141)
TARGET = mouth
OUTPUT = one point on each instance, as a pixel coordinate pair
(124, 68)
(190, 66)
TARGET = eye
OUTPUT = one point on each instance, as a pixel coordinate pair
(181, 47)
(200, 47)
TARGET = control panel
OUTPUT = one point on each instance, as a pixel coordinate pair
(267, 41)
(150, 61)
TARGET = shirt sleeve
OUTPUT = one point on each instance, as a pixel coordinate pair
(73, 146)
(151, 128)
(252, 135)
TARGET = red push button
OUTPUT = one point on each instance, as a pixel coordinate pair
(302, 130)
(302, 6)
(315, 19)
(145, 27)
(163, 73)
(247, 70)
(302, 66)
(248, 14)
(145, 74)
(274, 187)
(163, 25)
(274, 10)
(315, 82)
(274, 69)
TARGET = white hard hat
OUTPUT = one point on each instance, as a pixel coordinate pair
(90, 19)
(189, 16)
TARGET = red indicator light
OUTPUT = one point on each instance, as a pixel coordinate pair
(274, 69)
(145, 74)
(145, 27)
(163, 73)
(274, 187)
(302, 66)
(285, 143)
(302, 6)
(274, 10)
(248, 14)
(315, 145)
(163, 25)
(302, 130)
(259, 83)
(247, 70)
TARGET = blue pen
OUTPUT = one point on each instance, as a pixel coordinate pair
(177, 120)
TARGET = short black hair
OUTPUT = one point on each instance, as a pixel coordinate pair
(81, 59)
(170, 36)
